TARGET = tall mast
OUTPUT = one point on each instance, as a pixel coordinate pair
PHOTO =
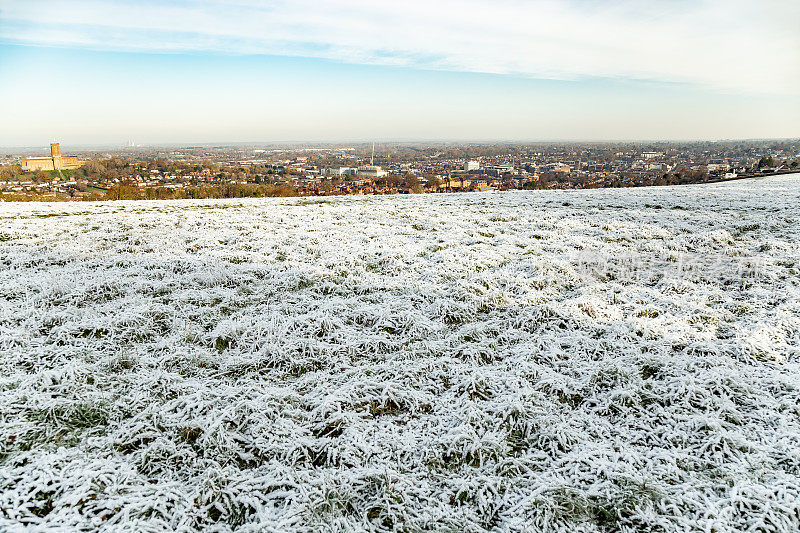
(372, 158)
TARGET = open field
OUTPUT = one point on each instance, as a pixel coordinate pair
(602, 360)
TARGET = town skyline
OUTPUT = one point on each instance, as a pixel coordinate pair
(214, 171)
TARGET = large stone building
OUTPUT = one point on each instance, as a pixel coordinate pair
(55, 162)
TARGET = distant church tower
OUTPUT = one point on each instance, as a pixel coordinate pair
(55, 153)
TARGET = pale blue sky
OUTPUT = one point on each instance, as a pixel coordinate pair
(161, 72)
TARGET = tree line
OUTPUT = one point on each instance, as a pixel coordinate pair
(130, 191)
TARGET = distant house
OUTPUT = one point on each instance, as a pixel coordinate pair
(718, 165)
(457, 182)
(557, 167)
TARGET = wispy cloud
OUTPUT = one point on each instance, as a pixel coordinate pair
(730, 45)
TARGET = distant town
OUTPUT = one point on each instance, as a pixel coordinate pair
(141, 172)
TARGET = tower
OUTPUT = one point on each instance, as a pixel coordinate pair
(55, 153)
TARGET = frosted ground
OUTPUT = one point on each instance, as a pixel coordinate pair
(524, 361)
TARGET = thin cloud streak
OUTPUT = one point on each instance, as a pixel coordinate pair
(733, 46)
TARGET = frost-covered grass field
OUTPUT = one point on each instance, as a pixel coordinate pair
(525, 361)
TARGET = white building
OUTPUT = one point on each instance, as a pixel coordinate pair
(472, 165)
(371, 172)
(718, 165)
(341, 171)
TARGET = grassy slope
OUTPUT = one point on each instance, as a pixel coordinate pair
(582, 361)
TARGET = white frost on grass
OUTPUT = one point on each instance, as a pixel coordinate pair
(526, 361)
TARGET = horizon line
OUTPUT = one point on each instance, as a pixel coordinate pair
(121, 145)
